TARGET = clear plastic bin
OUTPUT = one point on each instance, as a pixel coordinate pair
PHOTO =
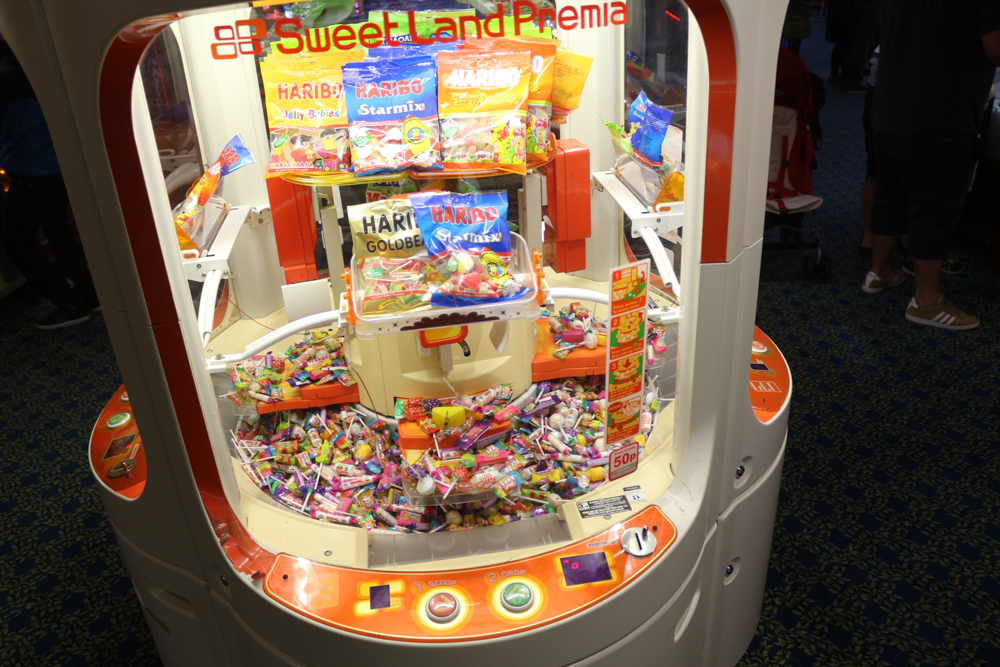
(430, 317)
(644, 181)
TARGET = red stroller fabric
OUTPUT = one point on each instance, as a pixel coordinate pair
(791, 141)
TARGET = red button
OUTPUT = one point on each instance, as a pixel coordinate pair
(442, 607)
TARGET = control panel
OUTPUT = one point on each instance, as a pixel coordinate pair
(116, 452)
(478, 602)
(770, 379)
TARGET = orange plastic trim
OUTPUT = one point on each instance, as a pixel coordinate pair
(721, 48)
(341, 597)
(579, 363)
(351, 317)
(412, 438)
(104, 458)
(770, 388)
(536, 260)
(463, 332)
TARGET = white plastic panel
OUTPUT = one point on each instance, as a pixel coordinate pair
(744, 543)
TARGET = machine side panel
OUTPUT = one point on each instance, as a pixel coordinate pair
(177, 607)
(674, 635)
(744, 545)
(750, 443)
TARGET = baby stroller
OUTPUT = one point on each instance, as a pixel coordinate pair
(795, 137)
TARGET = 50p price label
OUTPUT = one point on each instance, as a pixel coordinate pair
(623, 461)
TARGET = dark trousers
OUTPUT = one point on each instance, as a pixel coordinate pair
(40, 202)
(837, 57)
(919, 197)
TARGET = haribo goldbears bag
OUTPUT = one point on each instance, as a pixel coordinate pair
(390, 255)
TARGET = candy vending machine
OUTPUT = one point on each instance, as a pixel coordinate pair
(436, 321)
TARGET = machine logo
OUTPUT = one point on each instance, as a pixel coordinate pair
(242, 39)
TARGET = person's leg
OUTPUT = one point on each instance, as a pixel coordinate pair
(837, 59)
(867, 204)
(53, 209)
(868, 188)
(21, 225)
(932, 216)
(928, 275)
(888, 219)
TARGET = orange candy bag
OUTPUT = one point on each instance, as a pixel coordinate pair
(543, 57)
(483, 108)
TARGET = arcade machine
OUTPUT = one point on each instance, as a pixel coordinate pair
(433, 383)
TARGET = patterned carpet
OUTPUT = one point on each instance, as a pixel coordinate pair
(887, 543)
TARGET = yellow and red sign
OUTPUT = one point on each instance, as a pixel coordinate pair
(624, 376)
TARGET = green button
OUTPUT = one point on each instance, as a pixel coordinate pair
(516, 597)
(119, 419)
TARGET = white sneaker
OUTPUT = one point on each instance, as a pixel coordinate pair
(874, 284)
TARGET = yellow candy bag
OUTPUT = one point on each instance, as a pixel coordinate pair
(189, 215)
(307, 114)
(569, 78)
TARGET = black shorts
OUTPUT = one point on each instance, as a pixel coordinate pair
(922, 184)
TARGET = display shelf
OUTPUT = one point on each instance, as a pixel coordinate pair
(663, 219)
(578, 363)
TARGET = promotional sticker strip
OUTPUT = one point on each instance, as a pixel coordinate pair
(483, 104)
(626, 350)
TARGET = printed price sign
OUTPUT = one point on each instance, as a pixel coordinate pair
(624, 461)
(625, 363)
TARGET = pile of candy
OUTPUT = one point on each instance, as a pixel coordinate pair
(573, 326)
(318, 359)
(343, 467)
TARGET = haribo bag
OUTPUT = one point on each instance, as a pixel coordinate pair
(307, 114)
(392, 109)
(468, 241)
(483, 104)
(543, 57)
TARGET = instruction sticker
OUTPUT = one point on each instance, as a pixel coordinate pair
(605, 506)
(634, 494)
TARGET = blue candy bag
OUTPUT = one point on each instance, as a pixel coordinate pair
(468, 240)
(392, 115)
(637, 112)
(411, 50)
(647, 141)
